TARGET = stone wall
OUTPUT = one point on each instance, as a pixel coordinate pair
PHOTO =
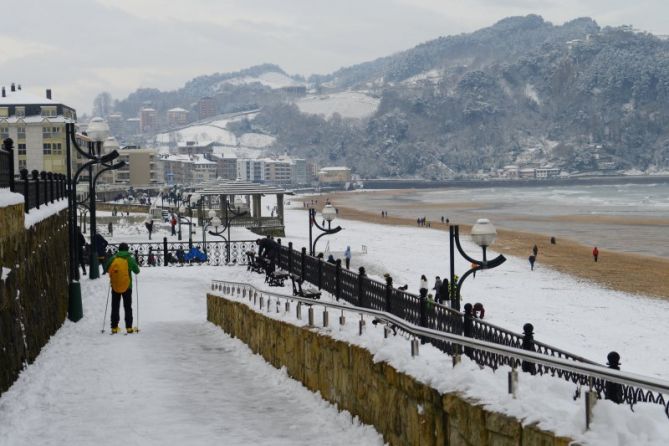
(34, 294)
(133, 208)
(403, 410)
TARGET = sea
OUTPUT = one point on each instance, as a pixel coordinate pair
(626, 217)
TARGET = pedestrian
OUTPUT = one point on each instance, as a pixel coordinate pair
(595, 253)
(110, 228)
(442, 218)
(120, 268)
(173, 224)
(149, 226)
(444, 291)
(331, 259)
(81, 248)
(347, 257)
(437, 288)
(100, 248)
(423, 286)
(448, 222)
(532, 258)
(535, 250)
(151, 260)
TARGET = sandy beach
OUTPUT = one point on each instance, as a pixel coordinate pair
(621, 271)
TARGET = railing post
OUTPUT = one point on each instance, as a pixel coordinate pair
(290, 257)
(320, 272)
(26, 190)
(278, 255)
(337, 279)
(528, 344)
(613, 391)
(35, 176)
(303, 256)
(8, 145)
(165, 262)
(389, 293)
(51, 192)
(361, 284)
(423, 311)
(45, 193)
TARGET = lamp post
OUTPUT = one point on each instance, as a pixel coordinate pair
(75, 308)
(230, 214)
(329, 213)
(483, 233)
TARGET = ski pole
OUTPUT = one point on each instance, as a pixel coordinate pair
(104, 319)
(137, 294)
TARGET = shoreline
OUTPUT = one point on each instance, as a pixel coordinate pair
(632, 273)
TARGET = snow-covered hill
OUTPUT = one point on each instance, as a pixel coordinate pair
(270, 79)
(348, 104)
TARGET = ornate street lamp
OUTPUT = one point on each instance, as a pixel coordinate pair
(329, 213)
(230, 214)
(483, 233)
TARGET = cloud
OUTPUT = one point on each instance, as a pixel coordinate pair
(13, 48)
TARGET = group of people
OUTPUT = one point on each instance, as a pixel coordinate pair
(422, 221)
(98, 248)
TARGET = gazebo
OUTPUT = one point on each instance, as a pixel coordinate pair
(226, 197)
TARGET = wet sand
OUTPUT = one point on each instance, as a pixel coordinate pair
(632, 273)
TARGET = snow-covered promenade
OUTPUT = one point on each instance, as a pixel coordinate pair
(181, 380)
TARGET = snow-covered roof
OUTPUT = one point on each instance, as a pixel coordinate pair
(21, 97)
(195, 159)
(177, 109)
(335, 169)
(35, 119)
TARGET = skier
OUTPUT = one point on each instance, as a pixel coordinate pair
(120, 268)
(347, 257)
(595, 253)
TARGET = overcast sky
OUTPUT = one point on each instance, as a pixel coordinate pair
(82, 47)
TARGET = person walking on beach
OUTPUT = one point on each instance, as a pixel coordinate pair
(595, 253)
(535, 250)
(532, 258)
(347, 257)
(423, 286)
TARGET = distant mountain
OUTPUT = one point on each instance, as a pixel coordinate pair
(523, 92)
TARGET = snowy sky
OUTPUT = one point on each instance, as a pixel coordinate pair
(82, 47)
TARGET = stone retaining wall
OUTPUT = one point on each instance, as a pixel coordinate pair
(34, 294)
(403, 410)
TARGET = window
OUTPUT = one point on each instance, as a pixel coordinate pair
(4, 132)
(49, 111)
(50, 132)
(57, 148)
(20, 112)
(21, 133)
(4, 112)
(22, 149)
(46, 148)
(22, 164)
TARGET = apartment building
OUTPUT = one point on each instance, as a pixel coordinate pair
(188, 169)
(177, 117)
(37, 126)
(279, 171)
(143, 167)
(335, 174)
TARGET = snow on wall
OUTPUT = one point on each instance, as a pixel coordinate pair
(45, 211)
(8, 198)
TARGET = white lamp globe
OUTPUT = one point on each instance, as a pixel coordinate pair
(329, 212)
(182, 209)
(483, 232)
(212, 213)
(216, 222)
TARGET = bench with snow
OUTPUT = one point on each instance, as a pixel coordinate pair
(298, 290)
(276, 277)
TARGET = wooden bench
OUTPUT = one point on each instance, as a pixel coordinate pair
(298, 290)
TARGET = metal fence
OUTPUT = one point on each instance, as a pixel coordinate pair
(605, 383)
(37, 188)
(155, 253)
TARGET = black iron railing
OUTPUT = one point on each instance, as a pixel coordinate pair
(155, 253)
(37, 188)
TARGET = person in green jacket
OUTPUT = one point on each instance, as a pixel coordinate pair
(120, 268)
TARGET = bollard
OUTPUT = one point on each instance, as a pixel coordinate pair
(386, 331)
(299, 310)
(528, 344)
(415, 343)
(361, 325)
(278, 305)
(269, 303)
(342, 319)
(261, 301)
(326, 318)
(287, 310)
(590, 400)
(613, 391)
(513, 381)
(311, 316)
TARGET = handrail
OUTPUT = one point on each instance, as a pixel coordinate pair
(592, 370)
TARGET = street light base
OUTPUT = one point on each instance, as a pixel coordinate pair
(75, 309)
(94, 270)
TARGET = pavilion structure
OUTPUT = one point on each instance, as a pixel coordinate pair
(228, 198)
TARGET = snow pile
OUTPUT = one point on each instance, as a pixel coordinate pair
(348, 104)
(45, 211)
(9, 198)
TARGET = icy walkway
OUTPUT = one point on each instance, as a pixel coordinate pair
(180, 381)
